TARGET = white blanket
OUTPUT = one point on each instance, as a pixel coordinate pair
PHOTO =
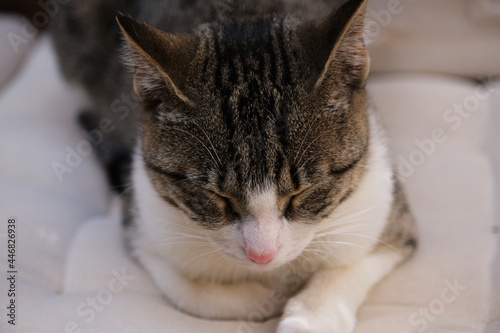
(73, 274)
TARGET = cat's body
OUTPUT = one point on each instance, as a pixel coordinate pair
(261, 179)
(90, 44)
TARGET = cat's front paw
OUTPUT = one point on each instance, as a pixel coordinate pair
(300, 317)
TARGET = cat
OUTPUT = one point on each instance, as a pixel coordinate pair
(259, 173)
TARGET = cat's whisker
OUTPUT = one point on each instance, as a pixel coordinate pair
(186, 227)
(323, 257)
(302, 255)
(216, 264)
(187, 237)
(358, 212)
(201, 142)
(335, 226)
(348, 225)
(208, 201)
(208, 260)
(337, 243)
(179, 240)
(181, 231)
(159, 244)
(128, 187)
(346, 218)
(211, 144)
(306, 136)
(342, 221)
(182, 235)
(198, 256)
(311, 143)
(376, 239)
(305, 162)
(339, 231)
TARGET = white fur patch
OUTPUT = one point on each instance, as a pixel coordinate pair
(263, 203)
(261, 231)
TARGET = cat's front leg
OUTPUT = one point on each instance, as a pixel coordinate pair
(244, 301)
(330, 300)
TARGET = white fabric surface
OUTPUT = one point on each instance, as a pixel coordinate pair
(69, 243)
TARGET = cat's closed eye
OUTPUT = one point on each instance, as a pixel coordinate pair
(343, 169)
(293, 200)
(224, 201)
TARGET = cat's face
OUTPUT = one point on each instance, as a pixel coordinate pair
(256, 131)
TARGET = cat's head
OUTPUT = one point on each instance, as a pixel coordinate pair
(256, 130)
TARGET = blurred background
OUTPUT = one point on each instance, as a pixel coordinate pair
(458, 37)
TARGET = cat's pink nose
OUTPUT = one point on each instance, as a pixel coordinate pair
(261, 258)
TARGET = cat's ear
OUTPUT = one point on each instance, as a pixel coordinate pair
(160, 60)
(336, 47)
